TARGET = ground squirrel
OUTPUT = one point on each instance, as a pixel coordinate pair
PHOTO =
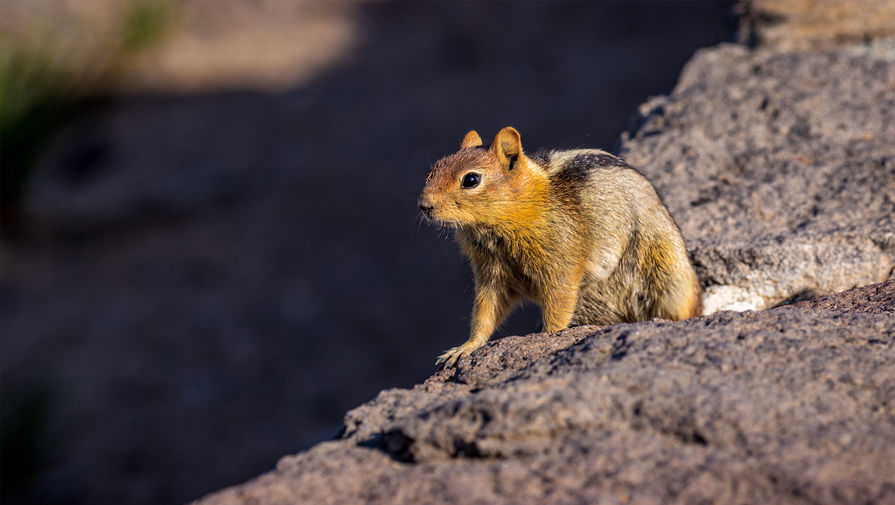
(579, 232)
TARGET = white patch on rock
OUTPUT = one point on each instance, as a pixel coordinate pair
(716, 298)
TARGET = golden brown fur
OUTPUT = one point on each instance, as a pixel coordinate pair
(578, 232)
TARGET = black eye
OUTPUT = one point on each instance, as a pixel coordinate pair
(470, 180)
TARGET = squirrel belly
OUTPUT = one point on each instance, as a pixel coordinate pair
(579, 232)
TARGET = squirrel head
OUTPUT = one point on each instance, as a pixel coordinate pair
(478, 185)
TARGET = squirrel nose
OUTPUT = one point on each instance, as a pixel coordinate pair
(425, 204)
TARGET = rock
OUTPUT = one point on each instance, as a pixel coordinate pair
(779, 168)
(790, 405)
(813, 24)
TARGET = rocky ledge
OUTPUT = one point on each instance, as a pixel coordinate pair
(780, 169)
(790, 405)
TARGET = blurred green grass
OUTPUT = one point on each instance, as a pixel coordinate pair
(42, 84)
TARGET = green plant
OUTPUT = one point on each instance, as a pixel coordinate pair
(145, 25)
(40, 87)
(33, 100)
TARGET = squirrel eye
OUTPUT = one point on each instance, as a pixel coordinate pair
(470, 180)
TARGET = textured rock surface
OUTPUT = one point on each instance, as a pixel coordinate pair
(789, 168)
(813, 24)
(790, 405)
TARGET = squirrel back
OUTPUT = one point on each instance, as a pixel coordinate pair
(578, 231)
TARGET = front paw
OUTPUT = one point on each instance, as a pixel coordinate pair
(450, 357)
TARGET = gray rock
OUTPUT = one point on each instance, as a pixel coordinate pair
(779, 169)
(790, 405)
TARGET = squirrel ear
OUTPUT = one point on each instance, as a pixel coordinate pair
(507, 146)
(471, 139)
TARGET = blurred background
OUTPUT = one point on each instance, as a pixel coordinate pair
(210, 242)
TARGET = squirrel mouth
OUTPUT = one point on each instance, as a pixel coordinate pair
(429, 215)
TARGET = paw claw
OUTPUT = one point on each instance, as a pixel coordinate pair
(450, 357)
